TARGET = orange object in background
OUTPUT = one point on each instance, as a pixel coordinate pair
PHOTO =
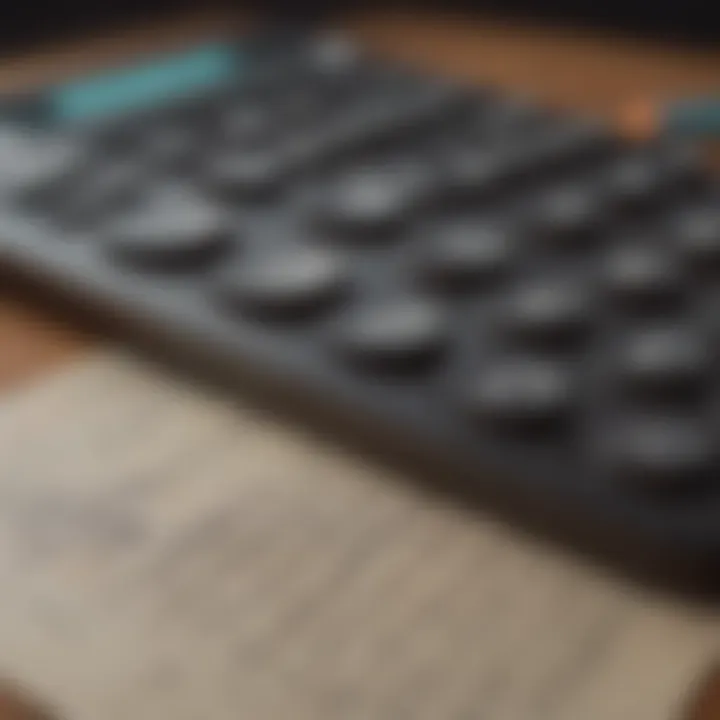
(639, 120)
(695, 118)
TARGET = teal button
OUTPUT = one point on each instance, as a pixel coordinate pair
(695, 118)
(144, 86)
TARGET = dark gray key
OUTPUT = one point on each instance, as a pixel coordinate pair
(562, 145)
(170, 146)
(172, 230)
(301, 109)
(521, 394)
(399, 335)
(549, 313)
(372, 203)
(36, 166)
(332, 56)
(570, 215)
(579, 140)
(508, 118)
(660, 454)
(642, 277)
(634, 183)
(373, 125)
(663, 361)
(466, 257)
(683, 166)
(312, 148)
(247, 123)
(101, 192)
(253, 174)
(290, 283)
(476, 174)
(697, 234)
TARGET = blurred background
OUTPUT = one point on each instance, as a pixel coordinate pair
(694, 19)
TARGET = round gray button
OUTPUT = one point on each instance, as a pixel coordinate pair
(403, 334)
(288, 284)
(549, 312)
(634, 182)
(522, 393)
(665, 360)
(372, 203)
(660, 454)
(698, 235)
(173, 230)
(251, 174)
(466, 257)
(640, 276)
(570, 214)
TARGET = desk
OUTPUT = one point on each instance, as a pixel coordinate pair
(585, 72)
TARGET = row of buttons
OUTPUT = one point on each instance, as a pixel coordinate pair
(376, 201)
(544, 314)
(518, 393)
(523, 394)
(656, 450)
(177, 227)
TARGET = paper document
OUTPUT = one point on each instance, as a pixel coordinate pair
(167, 553)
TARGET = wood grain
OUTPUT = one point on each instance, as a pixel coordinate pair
(32, 344)
(707, 704)
(586, 71)
(15, 705)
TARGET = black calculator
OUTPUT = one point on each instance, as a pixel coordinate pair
(513, 300)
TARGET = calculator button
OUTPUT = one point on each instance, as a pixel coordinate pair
(505, 118)
(333, 55)
(174, 230)
(697, 234)
(577, 140)
(562, 144)
(247, 123)
(662, 361)
(100, 192)
(521, 394)
(168, 147)
(399, 335)
(682, 166)
(33, 167)
(467, 257)
(290, 284)
(437, 101)
(300, 109)
(659, 454)
(372, 203)
(312, 149)
(248, 175)
(368, 129)
(475, 174)
(634, 183)
(376, 126)
(549, 313)
(643, 277)
(569, 215)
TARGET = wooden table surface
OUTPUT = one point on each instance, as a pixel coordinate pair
(584, 71)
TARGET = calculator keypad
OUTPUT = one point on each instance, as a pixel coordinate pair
(488, 270)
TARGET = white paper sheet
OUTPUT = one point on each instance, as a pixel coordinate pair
(168, 554)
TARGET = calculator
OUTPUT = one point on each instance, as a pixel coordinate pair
(511, 300)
